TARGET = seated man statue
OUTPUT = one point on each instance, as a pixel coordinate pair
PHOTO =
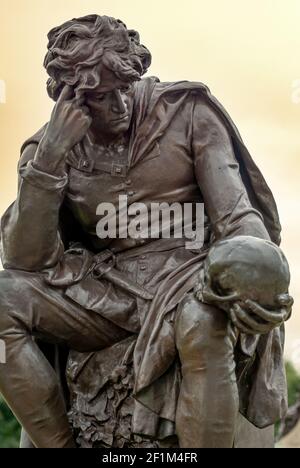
(202, 352)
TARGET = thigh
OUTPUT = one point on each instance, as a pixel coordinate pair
(46, 312)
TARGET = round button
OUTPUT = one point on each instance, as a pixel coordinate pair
(128, 182)
(130, 194)
(143, 268)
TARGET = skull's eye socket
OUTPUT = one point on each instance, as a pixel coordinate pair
(223, 285)
(217, 288)
(206, 278)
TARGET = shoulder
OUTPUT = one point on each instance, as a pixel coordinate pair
(209, 121)
(206, 108)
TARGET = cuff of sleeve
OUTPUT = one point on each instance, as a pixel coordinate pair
(41, 179)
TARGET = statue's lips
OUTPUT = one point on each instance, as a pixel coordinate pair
(121, 119)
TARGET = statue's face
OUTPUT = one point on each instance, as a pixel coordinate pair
(111, 104)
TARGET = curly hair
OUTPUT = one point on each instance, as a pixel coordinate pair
(78, 49)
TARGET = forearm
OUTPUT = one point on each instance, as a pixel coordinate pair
(30, 237)
(30, 228)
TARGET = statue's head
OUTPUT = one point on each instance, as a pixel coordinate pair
(97, 55)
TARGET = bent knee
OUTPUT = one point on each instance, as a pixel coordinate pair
(15, 291)
(199, 327)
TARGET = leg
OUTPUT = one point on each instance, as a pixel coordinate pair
(208, 403)
(27, 381)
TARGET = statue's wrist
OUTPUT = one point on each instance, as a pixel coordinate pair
(51, 158)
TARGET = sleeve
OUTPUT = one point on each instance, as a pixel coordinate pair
(30, 238)
(217, 172)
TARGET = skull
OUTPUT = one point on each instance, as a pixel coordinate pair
(244, 268)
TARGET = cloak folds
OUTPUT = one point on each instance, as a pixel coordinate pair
(260, 359)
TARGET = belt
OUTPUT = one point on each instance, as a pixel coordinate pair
(102, 269)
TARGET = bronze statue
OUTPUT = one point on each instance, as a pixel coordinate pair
(198, 355)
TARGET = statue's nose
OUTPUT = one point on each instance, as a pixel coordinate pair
(119, 102)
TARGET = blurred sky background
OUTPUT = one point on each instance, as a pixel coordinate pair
(246, 51)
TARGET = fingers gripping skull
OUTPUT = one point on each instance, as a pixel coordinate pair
(249, 279)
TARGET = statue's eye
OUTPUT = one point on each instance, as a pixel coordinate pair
(126, 89)
(100, 97)
(93, 97)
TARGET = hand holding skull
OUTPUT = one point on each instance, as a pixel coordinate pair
(249, 279)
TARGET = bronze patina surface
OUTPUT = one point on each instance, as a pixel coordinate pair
(154, 352)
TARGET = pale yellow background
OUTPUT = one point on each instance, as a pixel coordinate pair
(247, 51)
